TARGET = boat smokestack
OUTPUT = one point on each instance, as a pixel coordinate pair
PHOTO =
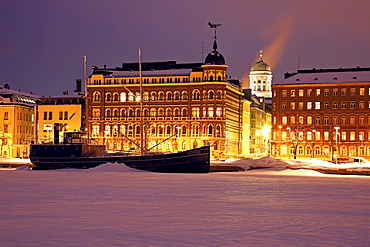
(56, 133)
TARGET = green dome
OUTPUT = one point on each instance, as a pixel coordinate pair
(260, 66)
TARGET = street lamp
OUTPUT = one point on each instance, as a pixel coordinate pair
(313, 145)
(336, 143)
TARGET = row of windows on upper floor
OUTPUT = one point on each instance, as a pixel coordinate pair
(160, 130)
(325, 92)
(318, 105)
(311, 135)
(160, 96)
(326, 120)
(161, 112)
(324, 150)
(117, 81)
(63, 115)
(20, 116)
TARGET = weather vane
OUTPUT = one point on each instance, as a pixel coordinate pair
(215, 26)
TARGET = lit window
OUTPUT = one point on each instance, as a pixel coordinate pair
(317, 105)
(309, 105)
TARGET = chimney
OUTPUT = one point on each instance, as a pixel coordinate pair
(78, 85)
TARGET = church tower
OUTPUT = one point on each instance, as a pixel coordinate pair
(260, 78)
(214, 68)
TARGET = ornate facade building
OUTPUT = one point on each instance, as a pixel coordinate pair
(322, 114)
(183, 106)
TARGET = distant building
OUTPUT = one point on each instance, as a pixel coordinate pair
(68, 111)
(17, 115)
(184, 106)
(260, 79)
(322, 114)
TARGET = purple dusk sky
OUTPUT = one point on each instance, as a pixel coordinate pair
(42, 41)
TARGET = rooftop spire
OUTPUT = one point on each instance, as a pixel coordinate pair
(215, 26)
(261, 51)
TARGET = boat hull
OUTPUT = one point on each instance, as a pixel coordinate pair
(190, 161)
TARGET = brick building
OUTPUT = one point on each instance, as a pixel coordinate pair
(322, 114)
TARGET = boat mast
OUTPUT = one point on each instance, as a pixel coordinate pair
(142, 127)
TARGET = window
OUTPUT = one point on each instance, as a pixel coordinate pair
(317, 105)
(335, 91)
(335, 105)
(48, 127)
(284, 120)
(309, 136)
(292, 93)
(210, 112)
(301, 93)
(196, 94)
(292, 105)
(300, 119)
(65, 115)
(343, 120)
(326, 135)
(195, 112)
(362, 91)
(352, 136)
(153, 96)
(353, 105)
(344, 104)
(344, 91)
(326, 92)
(218, 112)
(292, 119)
(317, 120)
(123, 97)
(309, 92)
(352, 120)
(318, 92)
(283, 106)
(6, 115)
(353, 91)
(284, 93)
(309, 120)
(60, 115)
(309, 105)
(326, 105)
(300, 105)
(326, 120)
(361, 120)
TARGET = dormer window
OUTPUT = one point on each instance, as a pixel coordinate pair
(335, 78)
(316, 79)
(297, 79)
(354, 78)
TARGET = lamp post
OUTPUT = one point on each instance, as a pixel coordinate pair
(336, 143)
(313, 145)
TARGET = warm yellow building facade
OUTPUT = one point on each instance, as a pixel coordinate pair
(17, 129)
(66, 110)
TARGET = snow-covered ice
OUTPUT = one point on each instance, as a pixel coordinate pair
(114, 205)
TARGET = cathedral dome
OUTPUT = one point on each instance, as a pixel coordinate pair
(261, 65)
(214, 57)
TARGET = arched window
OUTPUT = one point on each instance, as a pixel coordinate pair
(153, 112)
(184, 95)
(123, 97)
(96, 96)
(183, 130)
(196, 94)
(131, 113)
(146, 96)
(130, 96)
(218, 131)
(177, 95)
(108, 97)
(218, 95)
(210, 94)
(218, 112)
(123, 113)
(210, 112)
(108, 113)
(115, 96)
(161, 96)
(168, 130)
(176, 112)
(184, 112)
(146, 113)
(161, 112)
(138, 113)
(153, 96)
(210, 130)
(169, 96)
(115, 113)
(168, 112)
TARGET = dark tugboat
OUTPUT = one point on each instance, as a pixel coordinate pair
(79, 152)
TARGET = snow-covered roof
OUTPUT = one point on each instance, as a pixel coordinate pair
(327, 77)
(151, 73)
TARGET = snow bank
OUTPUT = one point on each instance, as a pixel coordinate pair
(113, 167)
